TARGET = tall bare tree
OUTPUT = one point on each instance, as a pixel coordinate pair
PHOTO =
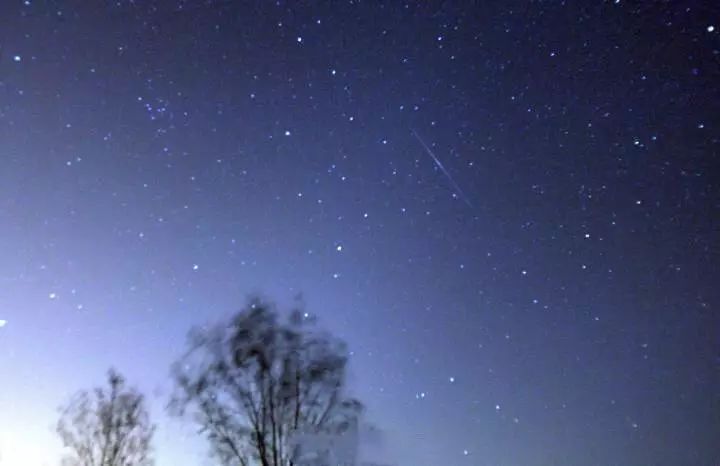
(107, 426)
(254, 382)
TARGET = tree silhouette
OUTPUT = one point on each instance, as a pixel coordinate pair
(256, 381)
(108, 426)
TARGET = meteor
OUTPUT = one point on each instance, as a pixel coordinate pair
(442, 168)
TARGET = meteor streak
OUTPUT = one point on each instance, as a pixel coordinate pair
(442, 168)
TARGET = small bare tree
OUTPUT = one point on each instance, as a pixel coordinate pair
(256, 382)
(108, 426)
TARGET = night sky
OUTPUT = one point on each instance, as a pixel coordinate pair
(510, 211)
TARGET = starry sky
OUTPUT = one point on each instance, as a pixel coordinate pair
(507, 209)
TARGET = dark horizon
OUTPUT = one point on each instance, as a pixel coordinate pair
(508, 211)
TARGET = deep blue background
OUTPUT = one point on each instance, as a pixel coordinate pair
(160, 160)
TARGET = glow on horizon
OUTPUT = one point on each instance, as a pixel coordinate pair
(28, 447)
(23, 443)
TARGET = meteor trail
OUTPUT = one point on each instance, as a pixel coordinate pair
(441, 167)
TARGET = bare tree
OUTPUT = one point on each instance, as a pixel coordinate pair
(108, 426)
(254, 382)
